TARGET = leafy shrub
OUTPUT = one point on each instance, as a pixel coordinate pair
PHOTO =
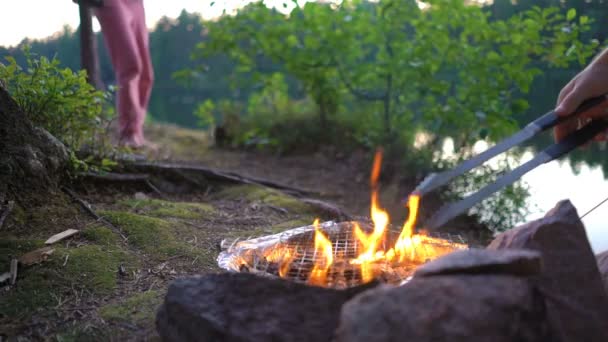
(385, 71)
(502, 210)
(56, 99)
(62, 102)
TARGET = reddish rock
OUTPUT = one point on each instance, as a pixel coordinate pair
(519, 262)
(455, 308)
(602, 264)
(576, 301)
(243, 307)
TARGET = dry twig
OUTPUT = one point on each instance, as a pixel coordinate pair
(87, 207)
(6, 212)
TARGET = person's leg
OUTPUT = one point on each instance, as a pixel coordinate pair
(143, 43)
(117, 26)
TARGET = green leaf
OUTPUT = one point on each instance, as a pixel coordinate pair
(584, 20)
(571, 14)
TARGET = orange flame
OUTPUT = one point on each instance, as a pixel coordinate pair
(408, 247)
(405, 242)
(318, 275)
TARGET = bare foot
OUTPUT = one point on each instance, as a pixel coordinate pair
(139, 144)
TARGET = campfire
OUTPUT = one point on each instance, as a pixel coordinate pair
(345, 254)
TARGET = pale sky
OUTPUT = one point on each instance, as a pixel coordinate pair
(41, 18)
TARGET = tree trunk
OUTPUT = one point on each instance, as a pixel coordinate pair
(88, 47)
(33, 161)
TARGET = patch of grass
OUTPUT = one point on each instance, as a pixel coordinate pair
(152, 235)
(160, 208)
(137, 309)
(101, 235)
(265, 195)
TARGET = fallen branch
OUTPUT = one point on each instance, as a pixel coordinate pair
(14, 270)
(6, 212)
(87, 207)
(218, 175)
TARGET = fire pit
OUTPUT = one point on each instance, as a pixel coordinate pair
(345, 254)
(334, 255)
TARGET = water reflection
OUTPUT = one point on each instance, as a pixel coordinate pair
(555, 181)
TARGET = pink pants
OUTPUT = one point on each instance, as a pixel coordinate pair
(123, 24)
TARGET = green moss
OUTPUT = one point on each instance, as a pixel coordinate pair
(51, 218)
(137, 309)
(18, 215)
(152, 235)
(160, 208)
(37, 287)
(265, 195)
(101, 235)
(89, 267)
(13, 248)
(83, 333)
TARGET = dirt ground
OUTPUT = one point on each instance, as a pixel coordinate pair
(106, 282)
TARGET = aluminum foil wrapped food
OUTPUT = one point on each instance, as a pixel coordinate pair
(344, 262)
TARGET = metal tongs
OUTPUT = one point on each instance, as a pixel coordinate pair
(555, 151)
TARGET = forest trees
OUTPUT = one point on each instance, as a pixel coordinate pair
(445, 68)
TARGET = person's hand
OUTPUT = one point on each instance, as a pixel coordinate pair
(591, 82)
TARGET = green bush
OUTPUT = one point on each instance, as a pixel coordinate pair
(56, 99)
(380, 73)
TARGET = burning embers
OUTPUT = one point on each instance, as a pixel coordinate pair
(344, 254)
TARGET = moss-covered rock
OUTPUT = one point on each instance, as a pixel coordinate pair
(154, 236)
(160, 208)
(265, 195)
(137, 309)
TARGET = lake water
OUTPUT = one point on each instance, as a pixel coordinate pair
(555, 181)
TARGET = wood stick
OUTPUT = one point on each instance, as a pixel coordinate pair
(87, 207)
(6, 212)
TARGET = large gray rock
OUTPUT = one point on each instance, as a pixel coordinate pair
(602, 264)
(519, 262)
(576, 301)
(244, 307)
(471, 308)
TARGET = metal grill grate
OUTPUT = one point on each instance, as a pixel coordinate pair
(292, 255)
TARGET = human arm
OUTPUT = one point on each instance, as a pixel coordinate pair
(591, 82)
